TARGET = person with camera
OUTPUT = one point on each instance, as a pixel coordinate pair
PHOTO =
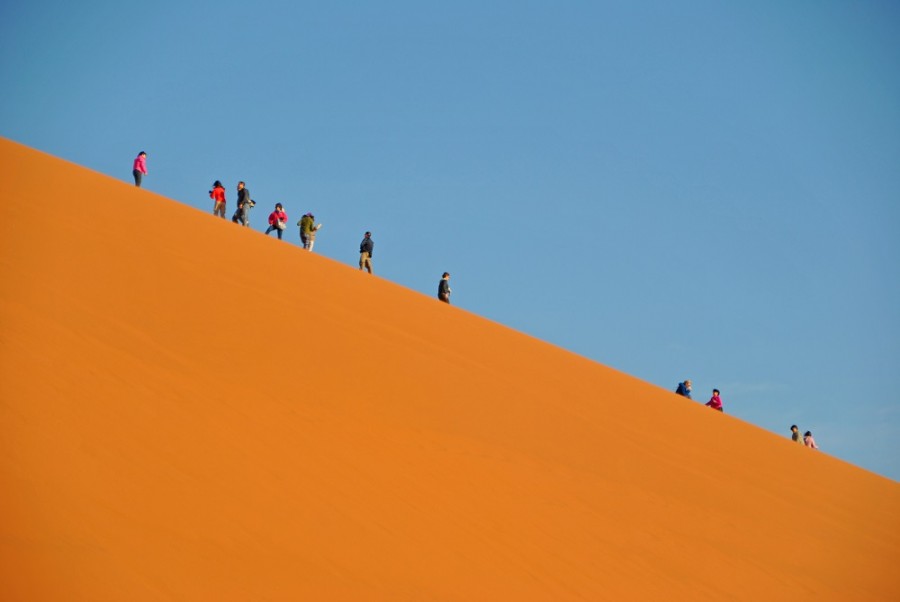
(217, 194)
(244, 205)
(277, 220)
(308, 229)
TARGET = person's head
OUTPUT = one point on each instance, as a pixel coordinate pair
(310, 215)
(368, 234)
(278, 206)
(687, 383)
(446, 275)
(142, 154)
(217, 184)
(715, 391)
(809, 434)
(794, 428)
(240, 185)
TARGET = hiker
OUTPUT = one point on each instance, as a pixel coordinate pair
(277, 220)
(217, 194)
(808, 440)
(244, 204)
(715, 402)
(444, 288)
(684, 389)
(308, 229)
(139, 170)
(365, 252)
(795, 434)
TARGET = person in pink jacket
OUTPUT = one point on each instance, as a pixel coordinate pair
(217, 194)
(808, 440)
(715, 402)
(277, 220)
(140, 168)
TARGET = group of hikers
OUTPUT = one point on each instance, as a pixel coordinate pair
(308, 229)
(278, 222)
(715, 402)
(806, 440)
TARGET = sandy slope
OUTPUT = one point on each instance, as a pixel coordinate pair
(180, 420)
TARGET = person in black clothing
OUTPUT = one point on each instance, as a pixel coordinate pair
(365, 252)
(444, 288)
(244, 204)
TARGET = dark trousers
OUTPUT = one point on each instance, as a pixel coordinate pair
(137, 177)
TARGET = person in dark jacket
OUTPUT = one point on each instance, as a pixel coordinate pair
(244, 204)
(684, 389)
(365, 252)
(444, 288)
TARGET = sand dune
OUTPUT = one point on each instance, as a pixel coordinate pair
(193, 411)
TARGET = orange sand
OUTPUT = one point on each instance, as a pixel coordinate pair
(193, 411)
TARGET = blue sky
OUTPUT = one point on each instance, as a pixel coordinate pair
(675, 189)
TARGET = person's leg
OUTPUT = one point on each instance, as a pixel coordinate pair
(269, 229)
(279, 232)
(312, 241)
(368, 263)
(137, 177)
(245, 215)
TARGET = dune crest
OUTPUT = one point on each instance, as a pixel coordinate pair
(192, 411)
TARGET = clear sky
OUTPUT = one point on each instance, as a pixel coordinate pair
(697, 189)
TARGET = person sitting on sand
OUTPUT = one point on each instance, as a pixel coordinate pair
(684, 389)
(715, 402)
(808, 440)
(795, 434)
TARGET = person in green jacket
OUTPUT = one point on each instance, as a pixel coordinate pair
(308, 229)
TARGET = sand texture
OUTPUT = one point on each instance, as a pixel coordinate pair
(190, 410)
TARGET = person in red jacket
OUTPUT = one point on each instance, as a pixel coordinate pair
(217, 194)
(715, 402)
(277, 220)
(139, 170)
